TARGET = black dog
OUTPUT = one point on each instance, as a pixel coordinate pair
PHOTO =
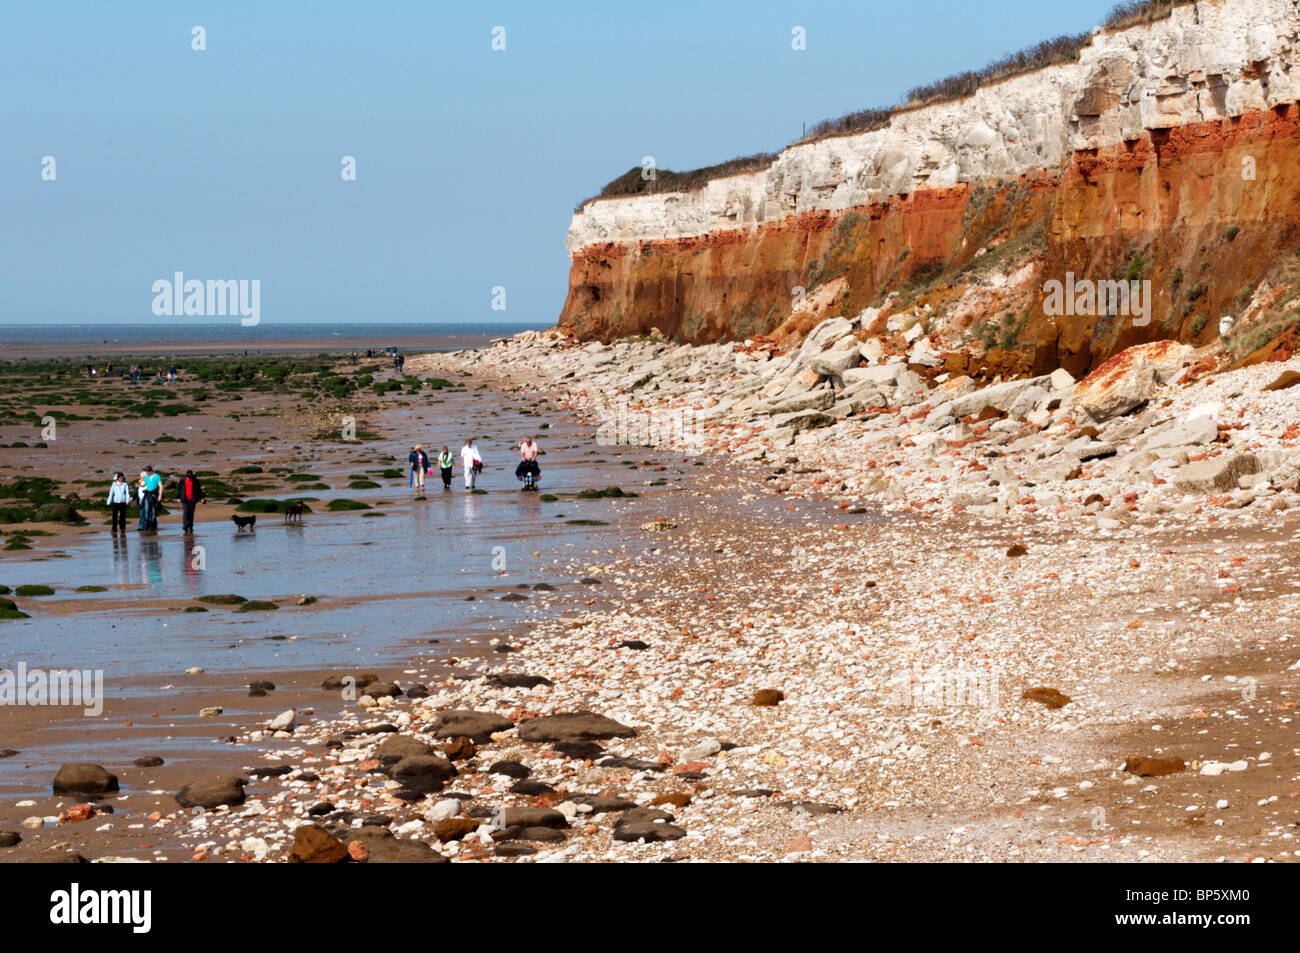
(243, 522)
(293, 512)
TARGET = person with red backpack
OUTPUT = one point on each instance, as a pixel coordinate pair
(191, 494)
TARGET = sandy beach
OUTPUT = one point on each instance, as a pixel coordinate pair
(757, 659)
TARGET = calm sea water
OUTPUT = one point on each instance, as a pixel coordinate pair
(75, 339)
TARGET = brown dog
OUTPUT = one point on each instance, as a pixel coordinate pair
(243, 522)
(293, 512)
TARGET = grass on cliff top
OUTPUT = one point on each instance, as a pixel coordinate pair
(1062, 49)
(632, 181)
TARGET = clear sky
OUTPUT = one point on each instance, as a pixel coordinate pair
(226, 162)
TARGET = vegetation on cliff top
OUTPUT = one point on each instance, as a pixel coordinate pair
(1062, 49)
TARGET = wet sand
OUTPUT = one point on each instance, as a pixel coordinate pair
(393, 585)
(755, 590)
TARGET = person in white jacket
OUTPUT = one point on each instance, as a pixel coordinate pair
(119, 494)
(471, 463)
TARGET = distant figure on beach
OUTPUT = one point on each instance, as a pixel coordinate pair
(152, 499)
(445, 461)
(171, 374)
(119, 495)
(528, 460)
(354, 357)
(419, 461)
(191, 493)
(135, 373)
(471, 462)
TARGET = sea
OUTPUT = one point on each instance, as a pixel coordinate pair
(88, 340)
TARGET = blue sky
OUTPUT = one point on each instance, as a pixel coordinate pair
(226, 163)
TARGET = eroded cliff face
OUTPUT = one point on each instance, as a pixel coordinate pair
(1169, 152)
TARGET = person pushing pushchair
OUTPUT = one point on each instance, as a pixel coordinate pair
(528, 472)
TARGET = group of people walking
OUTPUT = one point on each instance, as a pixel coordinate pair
(471, 464)
(147, 494)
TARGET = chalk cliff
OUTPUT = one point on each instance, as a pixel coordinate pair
(1167, 152)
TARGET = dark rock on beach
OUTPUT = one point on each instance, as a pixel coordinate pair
(212, 792)
(517, 680)
(534, 817)
(514, 849)
(149, 761)
(601, 803)
(510, 769)
(574, 726)
(477, 726)
(531, 788)
(83, 778)
(9, 838)
(582, 750)
(630, 764)
(396, 747)
(423, 773)
(535, 834)
(383, 848)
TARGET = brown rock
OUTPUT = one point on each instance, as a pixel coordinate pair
(1017, 550)
(454, 828)
(82, 778)
(1153, 767)
(675, 799)
(312, 844)
(396, 747)
(460, 749)
(1047, 696)
(1286, 380)
(768, 697)
(211, 793)
(573, 726)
